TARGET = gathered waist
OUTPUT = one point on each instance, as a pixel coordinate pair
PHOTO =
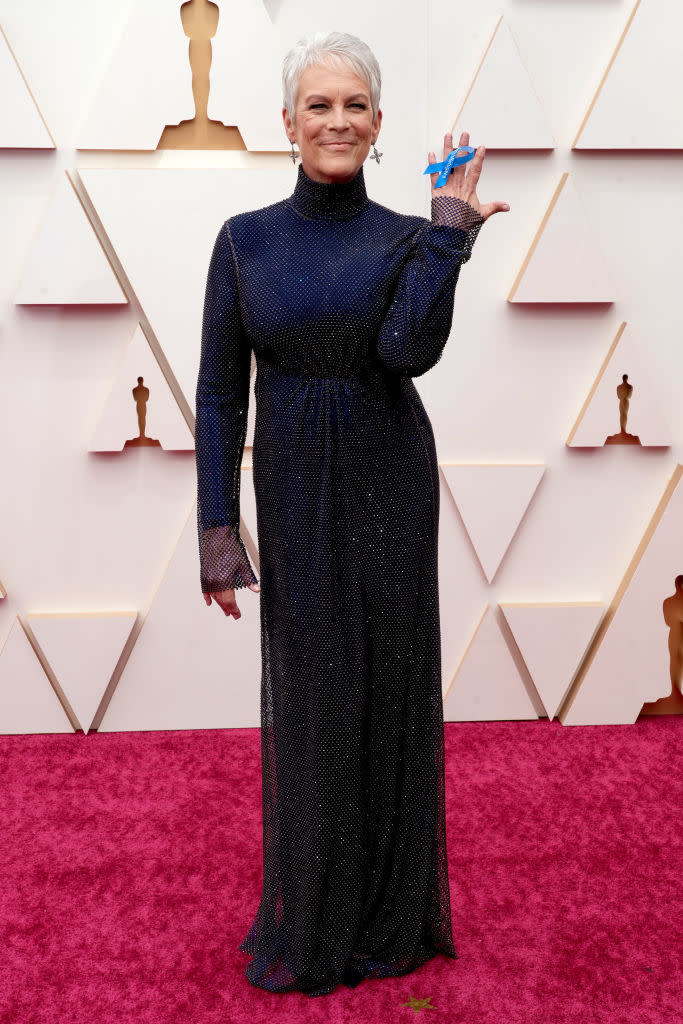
(366, 373)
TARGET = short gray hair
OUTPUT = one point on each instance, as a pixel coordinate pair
(316, 49)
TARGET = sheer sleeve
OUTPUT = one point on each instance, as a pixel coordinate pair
(417, 325)
(222, 400)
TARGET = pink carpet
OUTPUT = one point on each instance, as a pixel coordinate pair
(131, 870)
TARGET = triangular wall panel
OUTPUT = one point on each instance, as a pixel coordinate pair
(134, 205)
(639, 102)
(241, 94)
(28, 703)
(67, 264)
(629, 663)
(487, 685)
(564, 262)
(553, 639)
(492, 500)
(161, 686)
(82, 650)
(512, 118)
(146, 85)
(22, 125)
(118, 422)
(599, 420)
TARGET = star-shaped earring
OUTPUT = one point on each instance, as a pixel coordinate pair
(375, 153)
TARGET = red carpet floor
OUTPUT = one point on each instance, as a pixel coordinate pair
(131, 869)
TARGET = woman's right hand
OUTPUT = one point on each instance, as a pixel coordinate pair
(225, 599)
(461, 183)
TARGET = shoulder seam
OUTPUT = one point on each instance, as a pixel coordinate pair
(226, 226)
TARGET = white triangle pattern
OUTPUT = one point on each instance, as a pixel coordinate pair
(28, 703)
(508, 119)
(160, 686)
(552, 639)
(82, 650)
(118, 421)
(146, 85)
(21, 123)
(631, 665)
(487, 686)
(600, 418)
(565, 263)
(67, 264)
(492, 500)
(134, 205)
(640, 101)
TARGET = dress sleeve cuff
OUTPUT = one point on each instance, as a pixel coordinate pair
(224, 561)
(453, 212)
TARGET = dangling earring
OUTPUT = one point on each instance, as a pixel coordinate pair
(375, 153)
(294, 155)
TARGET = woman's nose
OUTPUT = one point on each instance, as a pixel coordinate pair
(338, 116)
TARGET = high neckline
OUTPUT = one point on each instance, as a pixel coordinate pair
(319, 200)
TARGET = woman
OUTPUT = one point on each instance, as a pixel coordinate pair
(343, 301)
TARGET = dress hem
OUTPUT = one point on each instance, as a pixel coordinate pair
(363, 969)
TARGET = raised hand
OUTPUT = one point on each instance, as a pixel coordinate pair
(463, 179)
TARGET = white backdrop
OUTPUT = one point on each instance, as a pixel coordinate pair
(85, 532)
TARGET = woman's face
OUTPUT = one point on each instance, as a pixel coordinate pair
(333, 124)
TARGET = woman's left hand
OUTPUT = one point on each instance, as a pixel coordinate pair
(462, 183)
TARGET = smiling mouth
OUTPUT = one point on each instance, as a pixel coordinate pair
(335, 144)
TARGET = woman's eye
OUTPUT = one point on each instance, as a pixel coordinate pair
(321, 106)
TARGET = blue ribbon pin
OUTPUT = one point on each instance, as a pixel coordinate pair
(446, 166)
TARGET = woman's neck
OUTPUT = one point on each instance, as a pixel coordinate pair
(320, 200)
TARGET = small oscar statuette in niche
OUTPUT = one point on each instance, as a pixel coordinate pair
(141, 395)
(672, 610)
(672, 613)
(624, 391)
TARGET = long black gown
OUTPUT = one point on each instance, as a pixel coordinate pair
(343, 301)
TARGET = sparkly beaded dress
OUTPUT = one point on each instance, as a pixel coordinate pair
(342, 301)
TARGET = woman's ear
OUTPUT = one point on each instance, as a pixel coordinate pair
(289, 127)
(377, 123)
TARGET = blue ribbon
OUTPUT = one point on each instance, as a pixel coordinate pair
(446, 166)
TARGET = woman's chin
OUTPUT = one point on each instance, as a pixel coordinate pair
(338, 163)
